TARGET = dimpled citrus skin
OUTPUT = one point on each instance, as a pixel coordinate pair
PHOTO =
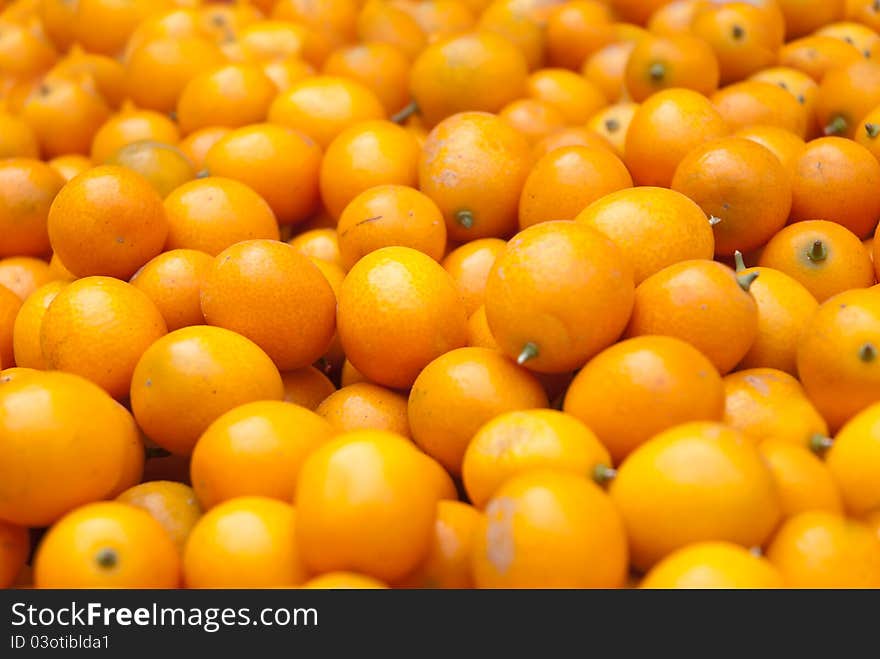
(475, 162)
(695, 482)
(702, 303)
(854, 460)
(713, 565)
(423, 315)
(187, 379)
(107, 221)
(268, 292)
(460, 391)
(531, 287)
(63, 443)
(28, 187)
(837, 355)
(98, 327)
(639, 387)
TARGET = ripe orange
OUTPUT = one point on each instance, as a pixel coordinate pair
(804, 16)
(173, 281)
(307, 387)
(681, 61)
(343, 581)
(163, 165)
(107, 545)
(196, 145)
(173, 505)
(187, 379)
(448, 564)
(247, 542)
(319, 245)
(606, 68)
(423, 317)
(15, 544)
(365, 406)
(803, 481)
(854, 461)
(27, 189)
(10, 304)
(754, 102)
(531, 285)
(637, 388)
(386, 23)
(695, 482)
(574, 96)
(532, 118)
(713, 565)
(380, 66)
(132, 126)
(577, 29)
(816, 55)
(26, 332)
(17, 139)
(846, 94)
(550, 529)
(267, 291)
(93, 318)
(612, 123)
(784, 144)
(469, 266)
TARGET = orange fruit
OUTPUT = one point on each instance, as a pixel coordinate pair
(784, 307)
(211, 214)
(837, 355)
(267, 158)
(441, 18)
(653, 227)
(343, 581)
(363, 156)
(461, 390)
(163, 165)
(323, 106)
(800, 85)
(680, 61)
(448, 564)
(25, 50)
(805, 16)
(104, 26)
(803, 481)
(256, 449)
(423, 315)
(824, 550)
(479, 334)
(701, 302)
(330, 22)
(98, 316)
(107, 221)
(832, 181)
(816, 55)
(469, 267)
(362, 505)
(307, 387)
(27, 189)
(24, 274)
(173, 505)
(17, 139)
(107, 73)
(516, 22)
(550, 529)
(854, 461)
(286, 71)
(173, 281)
(69, 166)
(187, 379)
(575, 30)
(460, 74)
(741, 186)
(574, 96)
(386, 23)
(319, 244)
(10, 304)
(473, 166)
(532, 118)
(606, 68)
(266, 40)
(365, 406)
(64, 115)
(713, 565)
(516, 442)
(265, 290)
(825, 257)
(846, 94)
(531, 283)
(784, 144)
(640, 387)
(26, 332)
(64, 443)
(612, 123)
(158, 70)
(15, 544)
(570, 136)
(743, 38)
(664, 129)
(754, 102)
(247, 542)
(695, 482)
(196, 145)
(382, 67)
(567, 180)
(107, 545)
(868, 131)
(673, 18)
(132, 126)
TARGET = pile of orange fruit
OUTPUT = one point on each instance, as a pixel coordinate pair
(439, 293)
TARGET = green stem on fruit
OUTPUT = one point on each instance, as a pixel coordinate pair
(657, 72)
(151, 452)
(603, 474)
(819, 443)
(203, 173)
(818, 252)
(107, 558)
(465, 219)
(738, 261)
(529, 351)
(873, 130)
(409, 110)
(738, 32)
(836, 126)
(745, 281)
(868, 353)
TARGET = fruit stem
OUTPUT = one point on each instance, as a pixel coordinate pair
(151, 452)
(657, 72)
(409, 110)
(603, 474)
(836, 126)
(529, 351)
(465, 219)
(873, 130)
(818, 252)
(819, 443)
(106, 558)
(738, 261)
(203, 173)
(745, 281)
(738, 32)
(868, 353)
(713, 220)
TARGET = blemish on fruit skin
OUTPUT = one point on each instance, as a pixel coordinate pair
(148, 383)
(499, 533)
(120, 240)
